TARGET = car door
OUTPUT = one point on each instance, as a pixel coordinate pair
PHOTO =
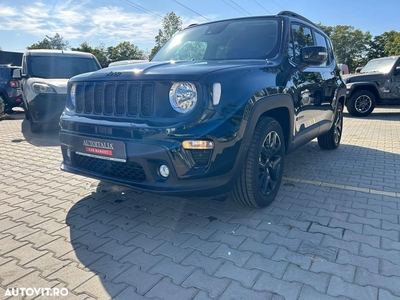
(394, 79)
(305, 87)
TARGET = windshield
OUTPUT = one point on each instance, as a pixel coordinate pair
(383, 65)
(233, 39)
(61, 66)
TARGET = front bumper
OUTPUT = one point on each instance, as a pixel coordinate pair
(191, 174)
(47, 108)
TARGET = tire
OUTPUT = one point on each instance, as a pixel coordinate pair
(361, 104)
(261, 174)
(35, 127)
(26, 111)
(2, 106)
(331, 139)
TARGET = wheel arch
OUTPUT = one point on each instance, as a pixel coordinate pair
(366, 87)
(279, 107)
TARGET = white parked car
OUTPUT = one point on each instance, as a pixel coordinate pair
(44, 76)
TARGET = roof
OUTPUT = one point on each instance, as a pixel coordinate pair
(51, 52)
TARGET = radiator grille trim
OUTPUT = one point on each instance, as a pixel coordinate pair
(119, 99)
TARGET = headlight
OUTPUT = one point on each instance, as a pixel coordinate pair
(183, 97)
(42, 88)
(72, 94)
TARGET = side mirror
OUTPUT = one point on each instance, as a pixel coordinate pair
(17, 74)
(313, 55)
(397, 70)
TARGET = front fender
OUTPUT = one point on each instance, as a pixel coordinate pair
(277, 106)
(355, 86)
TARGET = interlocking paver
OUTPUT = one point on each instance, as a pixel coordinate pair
(350, 246)
(142, 241)
(289, 290)
(318, 281)
(101, 288)
(168, 290)
(283, 254)
(208, 264)
(177, 272)
(338, 287)
(289, 243)
(391, 234)
(364, 277)
(177, 254)
(47, 264)
(9, 243)
(368, 239)
(138, 278)
(237, 256)
(229, 239)
(115, 249)
(213, 285)
(144, 260)
(10, 272)
(237, 291)
(257, 235)
(25, 254)
(264, 249)
(244, 276)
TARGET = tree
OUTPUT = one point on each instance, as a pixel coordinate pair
(125, 51)
(171, 24)
(56, 42)
(392, 47)
(378, 46)
(350, 45)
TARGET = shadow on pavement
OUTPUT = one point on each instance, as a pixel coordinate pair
(49, 137)
(136, 239)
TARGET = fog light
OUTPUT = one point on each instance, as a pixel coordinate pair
(68, 153)
(164, 171)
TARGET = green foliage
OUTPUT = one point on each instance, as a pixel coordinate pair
(125, 51)
(351, 45)
(392, 47)
(381, 45)
(100, 52)
(171, 24)
(56, 42)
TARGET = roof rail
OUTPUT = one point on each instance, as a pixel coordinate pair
(293, 14)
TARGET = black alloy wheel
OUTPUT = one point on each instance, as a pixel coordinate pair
(261, 175)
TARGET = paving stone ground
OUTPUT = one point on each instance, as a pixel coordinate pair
(332, 233)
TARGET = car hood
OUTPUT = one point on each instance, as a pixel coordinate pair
(362, 77)
(60, 85)
(182, 70)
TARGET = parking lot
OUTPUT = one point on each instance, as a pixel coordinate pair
(332, 232)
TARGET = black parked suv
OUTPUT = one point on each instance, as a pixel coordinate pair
(215, 110)
(10, 89)
(376, 84)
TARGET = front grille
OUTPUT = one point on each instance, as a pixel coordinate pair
(127, 171)
(130, 99)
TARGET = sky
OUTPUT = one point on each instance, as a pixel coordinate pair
(109, 22)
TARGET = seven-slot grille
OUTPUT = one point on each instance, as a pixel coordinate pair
(115, 99)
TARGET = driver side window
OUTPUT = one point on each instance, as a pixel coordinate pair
(301, 36)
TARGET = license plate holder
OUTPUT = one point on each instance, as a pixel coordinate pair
(100, 148)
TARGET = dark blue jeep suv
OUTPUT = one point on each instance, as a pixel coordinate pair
(215, 111)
